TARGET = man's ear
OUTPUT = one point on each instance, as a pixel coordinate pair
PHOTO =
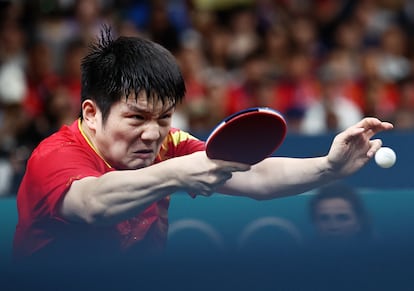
(90, 113)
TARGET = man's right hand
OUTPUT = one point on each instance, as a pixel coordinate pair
(201, 175)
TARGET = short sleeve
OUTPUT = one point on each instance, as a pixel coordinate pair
(50, 174)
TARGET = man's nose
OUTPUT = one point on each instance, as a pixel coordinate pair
(151, 131)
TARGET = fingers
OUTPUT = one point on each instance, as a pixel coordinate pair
(232, 166)
(208, 188)
(353, 132)
(205, 175)
(372, 126)
(239, 167)
(367, 128)
(375, 145)
(372, 122)
(367, 134)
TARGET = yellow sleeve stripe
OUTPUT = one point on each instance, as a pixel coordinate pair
(179, 136)
(172, 140)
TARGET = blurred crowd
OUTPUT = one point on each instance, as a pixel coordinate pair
(324, 64)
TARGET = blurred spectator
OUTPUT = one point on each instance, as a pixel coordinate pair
(61, 22)
(381, 96)
(12, 44)
(217, 47)
(12, 120)
(304, 35)
(41, 78)
(406, 19)
(328, 14)
(334, 111)
(298, 88)
(339, 217)
(192, 62)
(160, 28)
(245, 39)
(249, 84)
(62, 102)
(349, 37)
(276, 46)
(206, 112)
(394, 65)
(403, 117)
(270, 13)
(85, 19)
(374, 19)
(70, 83)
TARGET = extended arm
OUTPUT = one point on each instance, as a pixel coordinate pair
(276, 177)
(122, 194)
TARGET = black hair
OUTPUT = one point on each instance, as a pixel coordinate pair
(347, 193)
(129, 65)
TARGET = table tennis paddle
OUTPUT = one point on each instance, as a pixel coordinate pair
(248, 136)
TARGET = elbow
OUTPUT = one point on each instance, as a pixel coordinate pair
(85, 203)
(95, 212)
(93, 219)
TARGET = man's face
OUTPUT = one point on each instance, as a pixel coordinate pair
(336, 218)
(134, 131)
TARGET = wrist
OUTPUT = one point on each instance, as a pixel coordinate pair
(329, 170)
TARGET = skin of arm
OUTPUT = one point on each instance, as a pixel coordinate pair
(119, 195)
(278, 177)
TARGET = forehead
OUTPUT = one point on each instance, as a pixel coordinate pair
(334, 205)
(144, 104)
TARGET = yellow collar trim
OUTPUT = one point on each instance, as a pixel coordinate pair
(89, 142)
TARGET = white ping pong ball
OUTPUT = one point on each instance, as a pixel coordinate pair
(385, 157)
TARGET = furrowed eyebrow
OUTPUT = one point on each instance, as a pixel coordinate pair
(137, 109)
(168, 109)
(134, 108)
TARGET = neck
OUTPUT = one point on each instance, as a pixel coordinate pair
(86, 133)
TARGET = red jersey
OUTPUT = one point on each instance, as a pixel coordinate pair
(67, 156)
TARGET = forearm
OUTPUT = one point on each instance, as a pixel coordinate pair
(278, 177)
(118, 195)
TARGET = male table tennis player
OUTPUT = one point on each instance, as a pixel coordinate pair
(102, 186)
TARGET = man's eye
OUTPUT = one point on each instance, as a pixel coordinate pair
(166, 116)
(138, 117)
